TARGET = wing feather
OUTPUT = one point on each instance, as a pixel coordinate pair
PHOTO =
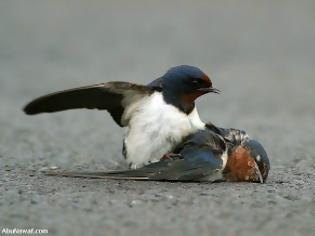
(112, 96)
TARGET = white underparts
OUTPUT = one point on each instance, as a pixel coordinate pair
(155, 128)
(224, 158)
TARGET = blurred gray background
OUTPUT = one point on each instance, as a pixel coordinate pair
(260, 54)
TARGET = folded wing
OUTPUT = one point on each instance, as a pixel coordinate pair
(197, 162)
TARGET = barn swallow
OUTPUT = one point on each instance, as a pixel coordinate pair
(202, 156)
(157, 116)
(247, 158)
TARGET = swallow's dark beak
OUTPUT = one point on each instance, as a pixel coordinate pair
(258, 174)
(209, 90)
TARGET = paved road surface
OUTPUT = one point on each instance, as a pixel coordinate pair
(260, 54)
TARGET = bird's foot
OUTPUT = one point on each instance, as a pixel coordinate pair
(171, 155)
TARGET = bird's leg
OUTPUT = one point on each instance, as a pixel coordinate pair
(171, 155)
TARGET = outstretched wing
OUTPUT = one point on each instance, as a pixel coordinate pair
(156, 84)
(112, 96)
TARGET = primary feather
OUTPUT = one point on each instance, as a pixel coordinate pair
(112, 96)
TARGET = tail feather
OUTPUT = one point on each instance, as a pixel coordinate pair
(119, 175)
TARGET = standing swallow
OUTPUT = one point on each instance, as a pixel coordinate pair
(157, 116)
(202, 156)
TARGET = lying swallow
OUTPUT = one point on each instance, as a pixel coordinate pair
(157, 116)
(202, 156)
(245, 155)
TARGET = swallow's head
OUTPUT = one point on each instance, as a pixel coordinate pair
(247, 162)
(258, 153)
(187, 83)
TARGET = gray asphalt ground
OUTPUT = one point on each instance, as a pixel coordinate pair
(260, 54)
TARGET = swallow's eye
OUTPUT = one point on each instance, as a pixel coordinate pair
(196, 81)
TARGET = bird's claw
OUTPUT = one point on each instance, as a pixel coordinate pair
(171, 156)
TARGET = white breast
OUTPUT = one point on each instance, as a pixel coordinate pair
(155, 128)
